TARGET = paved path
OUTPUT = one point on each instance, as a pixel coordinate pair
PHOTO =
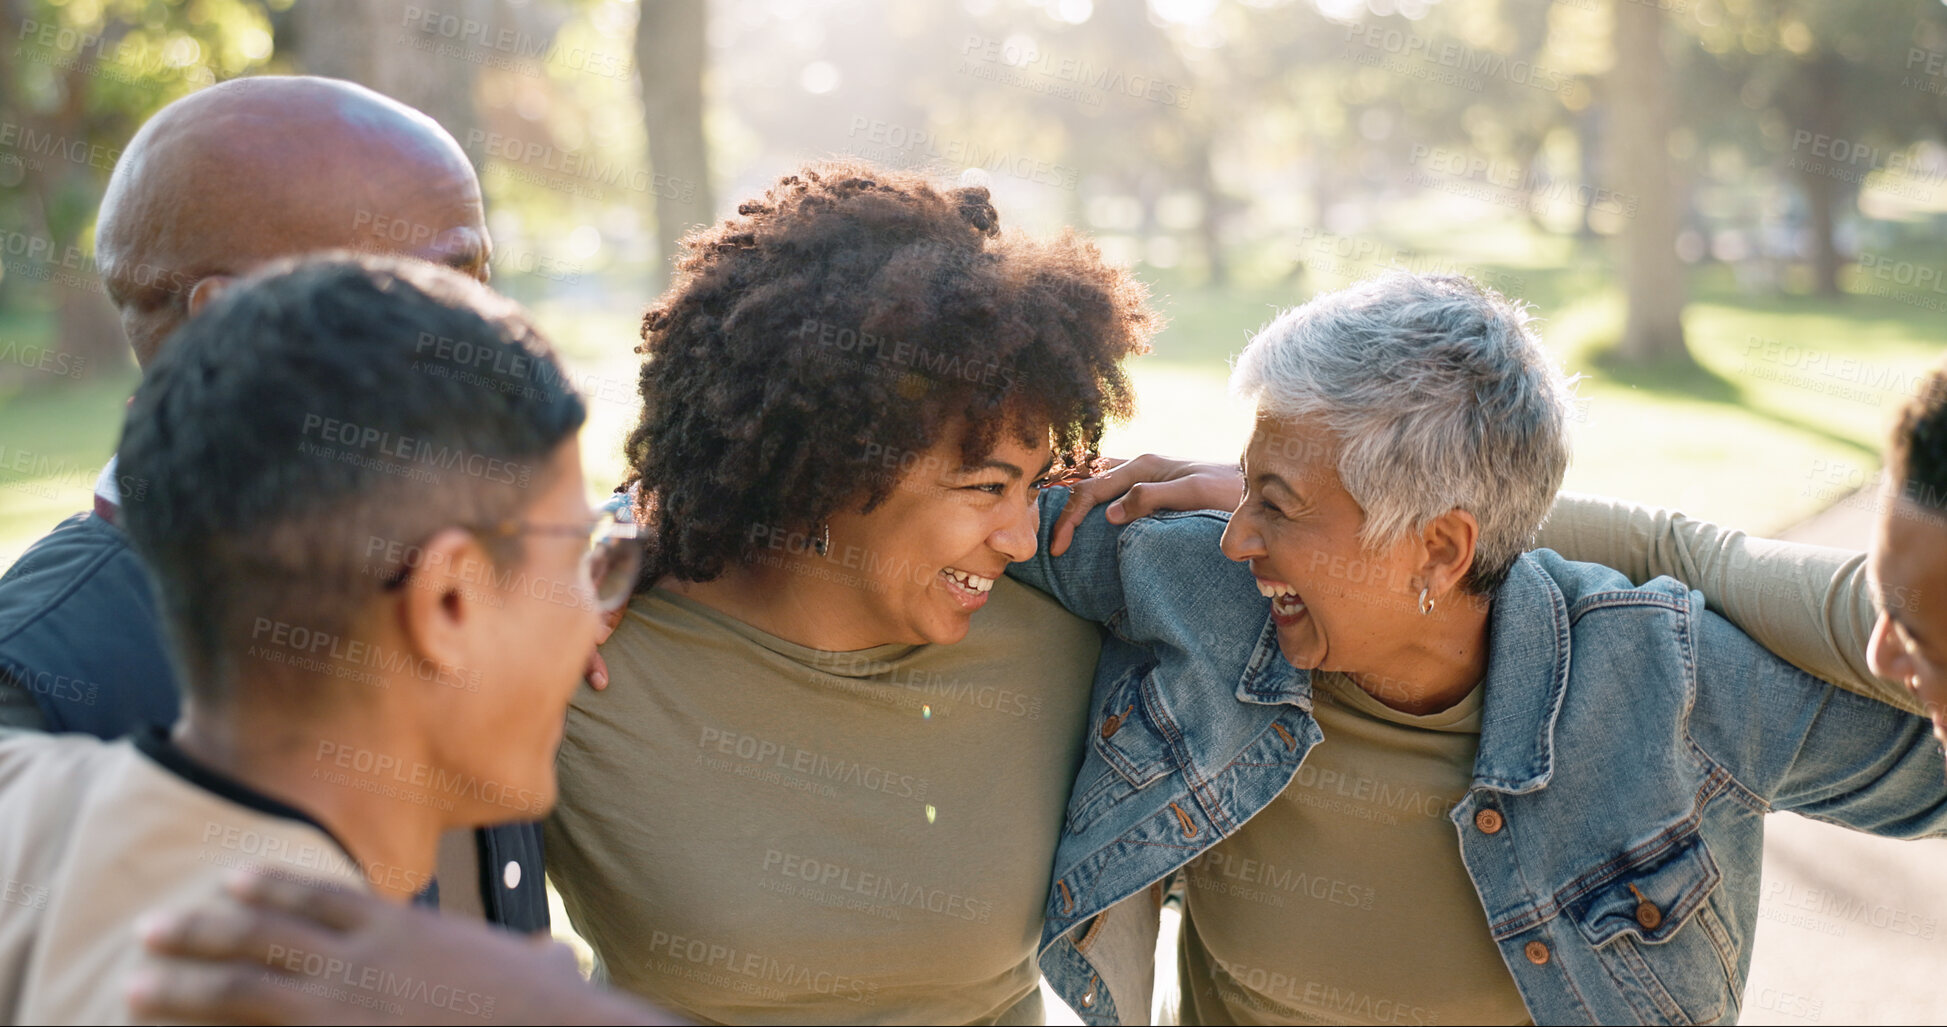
(1851, 928)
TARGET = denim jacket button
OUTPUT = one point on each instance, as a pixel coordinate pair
(1649, 916)
(1488, 820)
(1536, 952)
(1088, 1000)
(1111, 725)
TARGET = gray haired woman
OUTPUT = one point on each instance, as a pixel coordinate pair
(1415, 773)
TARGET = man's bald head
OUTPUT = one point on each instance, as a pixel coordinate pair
(256, 169)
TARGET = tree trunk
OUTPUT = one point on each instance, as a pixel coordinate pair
(669, 52)
(1823, 192)
(1639, 118)
(371, 42)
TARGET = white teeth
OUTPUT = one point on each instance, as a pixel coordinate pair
(974, 582)
(1270, 591)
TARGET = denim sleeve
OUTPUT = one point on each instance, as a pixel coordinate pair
(1087, 579)
(1811, 605)
(1804, 745)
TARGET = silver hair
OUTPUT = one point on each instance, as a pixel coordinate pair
(1441, 397)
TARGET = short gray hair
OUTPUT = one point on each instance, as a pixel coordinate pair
(1441, 396)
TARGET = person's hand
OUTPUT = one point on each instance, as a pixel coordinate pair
(276, 950)
(1135, 488)
(597, 673)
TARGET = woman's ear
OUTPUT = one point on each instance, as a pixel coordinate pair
(1451, 540)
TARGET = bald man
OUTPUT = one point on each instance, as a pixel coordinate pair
(218, 183)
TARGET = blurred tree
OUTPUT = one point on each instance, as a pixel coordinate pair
(670, 51)
(1825, 95)
(1640, 120)
(76, 81)
(395, 48)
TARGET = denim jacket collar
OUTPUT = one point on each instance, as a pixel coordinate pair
(1527, 678)
(1270, 679)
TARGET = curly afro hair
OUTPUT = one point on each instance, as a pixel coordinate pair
(846, 319)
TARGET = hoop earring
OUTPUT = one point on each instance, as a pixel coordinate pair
(823, 543)
(1426, 605)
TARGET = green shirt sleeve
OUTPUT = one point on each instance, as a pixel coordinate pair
(1811, 605)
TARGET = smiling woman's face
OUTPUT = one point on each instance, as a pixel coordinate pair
(923, 562)
(1338, 606)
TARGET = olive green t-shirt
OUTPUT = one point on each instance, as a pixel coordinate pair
(1307, 914)
(750, 831)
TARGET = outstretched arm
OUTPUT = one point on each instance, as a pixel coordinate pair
(283, 951)
(1809, 604)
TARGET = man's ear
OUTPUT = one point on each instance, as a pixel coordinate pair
(438, 609)
(1452, 540)
(206, 292)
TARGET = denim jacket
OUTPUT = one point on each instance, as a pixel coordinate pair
(1631, 742)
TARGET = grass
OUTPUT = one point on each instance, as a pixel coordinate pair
(1786, 405)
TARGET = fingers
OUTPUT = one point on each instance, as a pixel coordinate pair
(597, 673)
(222, 993)
(1085, 495)
(228, 932)
(321, 904)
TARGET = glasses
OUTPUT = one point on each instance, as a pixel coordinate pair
(608, 565)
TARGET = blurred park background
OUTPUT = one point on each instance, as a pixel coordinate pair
(1729, 214)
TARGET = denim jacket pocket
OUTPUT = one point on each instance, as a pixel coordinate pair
(1653, 926)
(1126, 752)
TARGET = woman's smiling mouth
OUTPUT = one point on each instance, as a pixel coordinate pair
(968, 589)
(1286, 607)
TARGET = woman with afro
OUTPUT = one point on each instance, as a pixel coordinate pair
(828, 777)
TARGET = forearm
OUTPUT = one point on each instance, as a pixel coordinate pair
(1811, 605)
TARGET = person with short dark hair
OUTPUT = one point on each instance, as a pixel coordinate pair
(1909, 562)
(381, 578)
(211, 187)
